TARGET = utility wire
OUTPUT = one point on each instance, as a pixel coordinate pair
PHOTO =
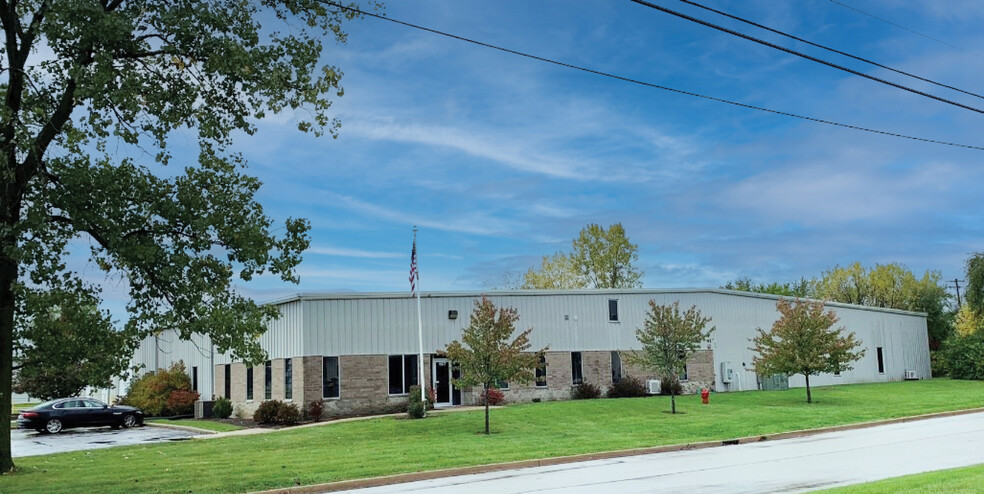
(822, 47)
(648, 84)
(804, 55)
(886, 21)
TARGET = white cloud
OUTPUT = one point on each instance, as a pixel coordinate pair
(346, 252)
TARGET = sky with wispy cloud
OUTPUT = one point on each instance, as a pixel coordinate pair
(500, 159)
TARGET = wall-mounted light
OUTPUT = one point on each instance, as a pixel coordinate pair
(452, 314)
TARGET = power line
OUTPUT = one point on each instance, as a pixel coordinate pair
(804, 55)
(886, 21)
(649, 84)
(822, 47)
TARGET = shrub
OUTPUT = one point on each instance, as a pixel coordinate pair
(494, 397)
(964, 356)
(222, 408)
(315, 410)
(151, 391)
(288, 414)
(585, 391)
(416, 409)
(267, 412)
(937, 363)
(627, 387)
(431, 398)
(181, 401)
(670, 386)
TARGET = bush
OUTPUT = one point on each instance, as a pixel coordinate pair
(670, 386)
(288, 414)
(315, 410)
(585, 391)
(266, 413)
(181, 402)
(151, 391)
(416, 409)
(222, 408)
(494, 396)
(937, 363)
(627, 387)
(964, 356)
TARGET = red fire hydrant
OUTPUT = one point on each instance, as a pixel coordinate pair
(705, 396)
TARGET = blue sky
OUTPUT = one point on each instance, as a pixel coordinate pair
(500, 160)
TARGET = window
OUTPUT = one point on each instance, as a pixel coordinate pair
(613, 310)
(502, 385)
(616, 367)
(576, 377)
(288, 379)
(194, 378)
(329, 377)
(402, 373)
(228, 381)
(881, 361)
(683, 374)
(268, 380)
(541, 372)
(249, 383)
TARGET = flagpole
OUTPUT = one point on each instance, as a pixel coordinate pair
(420, 333)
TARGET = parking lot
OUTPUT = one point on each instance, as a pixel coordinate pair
(25, 442)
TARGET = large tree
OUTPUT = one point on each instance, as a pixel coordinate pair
(803, 288)
(668, 339)
(606, 257)
(804, 341)
(557, 272)
(486, 356)
(94, 91)
(975, 283)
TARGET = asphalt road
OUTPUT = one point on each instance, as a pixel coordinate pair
(792, 465)
(30, 443)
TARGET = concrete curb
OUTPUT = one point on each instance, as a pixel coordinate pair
(560, 460)
(186, 428)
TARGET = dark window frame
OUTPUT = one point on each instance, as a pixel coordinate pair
(194, 378)
(880, 355)
(228, 381)
(268, 380)
(613, 310)
(249, 383)
(288, 379)
(325, 384)
(577, 374)
(616, 364)
(541, 373)
(683, 376)
(408, 377)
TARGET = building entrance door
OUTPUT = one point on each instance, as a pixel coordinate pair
(444, 391)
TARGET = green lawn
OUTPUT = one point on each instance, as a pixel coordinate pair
(959, 480)
(387, 445)
(200, 424)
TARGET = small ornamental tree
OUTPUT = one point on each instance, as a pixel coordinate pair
(804, 341)
(485, 355)
(668, 339)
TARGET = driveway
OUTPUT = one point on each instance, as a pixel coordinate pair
(791, 465)
(30, 443)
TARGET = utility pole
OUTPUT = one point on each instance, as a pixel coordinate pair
(956, 283)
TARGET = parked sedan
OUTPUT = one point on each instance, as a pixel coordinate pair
(55, 415)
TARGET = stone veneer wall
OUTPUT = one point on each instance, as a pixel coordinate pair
(365, 381)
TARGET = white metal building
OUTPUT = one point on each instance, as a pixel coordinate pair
(368, 331)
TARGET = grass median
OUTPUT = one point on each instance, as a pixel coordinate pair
(209, 425)
(969, 480)
(537, 430)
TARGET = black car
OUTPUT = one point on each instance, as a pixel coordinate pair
(55, 415)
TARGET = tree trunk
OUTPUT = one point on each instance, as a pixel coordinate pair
(486, 395)
(809, 397)
(672, 400)
(8, 276)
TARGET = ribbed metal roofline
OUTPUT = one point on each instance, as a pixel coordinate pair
(595, 291)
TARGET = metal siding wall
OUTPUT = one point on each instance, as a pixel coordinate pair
(171, 350)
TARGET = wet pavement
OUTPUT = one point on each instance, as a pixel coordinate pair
(26, 442)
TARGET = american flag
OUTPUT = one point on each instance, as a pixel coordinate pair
(413, 267)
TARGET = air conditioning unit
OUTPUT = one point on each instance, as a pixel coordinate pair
(653, 386)
(910, 375)
(727, 372)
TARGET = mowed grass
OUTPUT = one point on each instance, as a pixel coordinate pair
(387, 445)
(959, 480)
(210, 425)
